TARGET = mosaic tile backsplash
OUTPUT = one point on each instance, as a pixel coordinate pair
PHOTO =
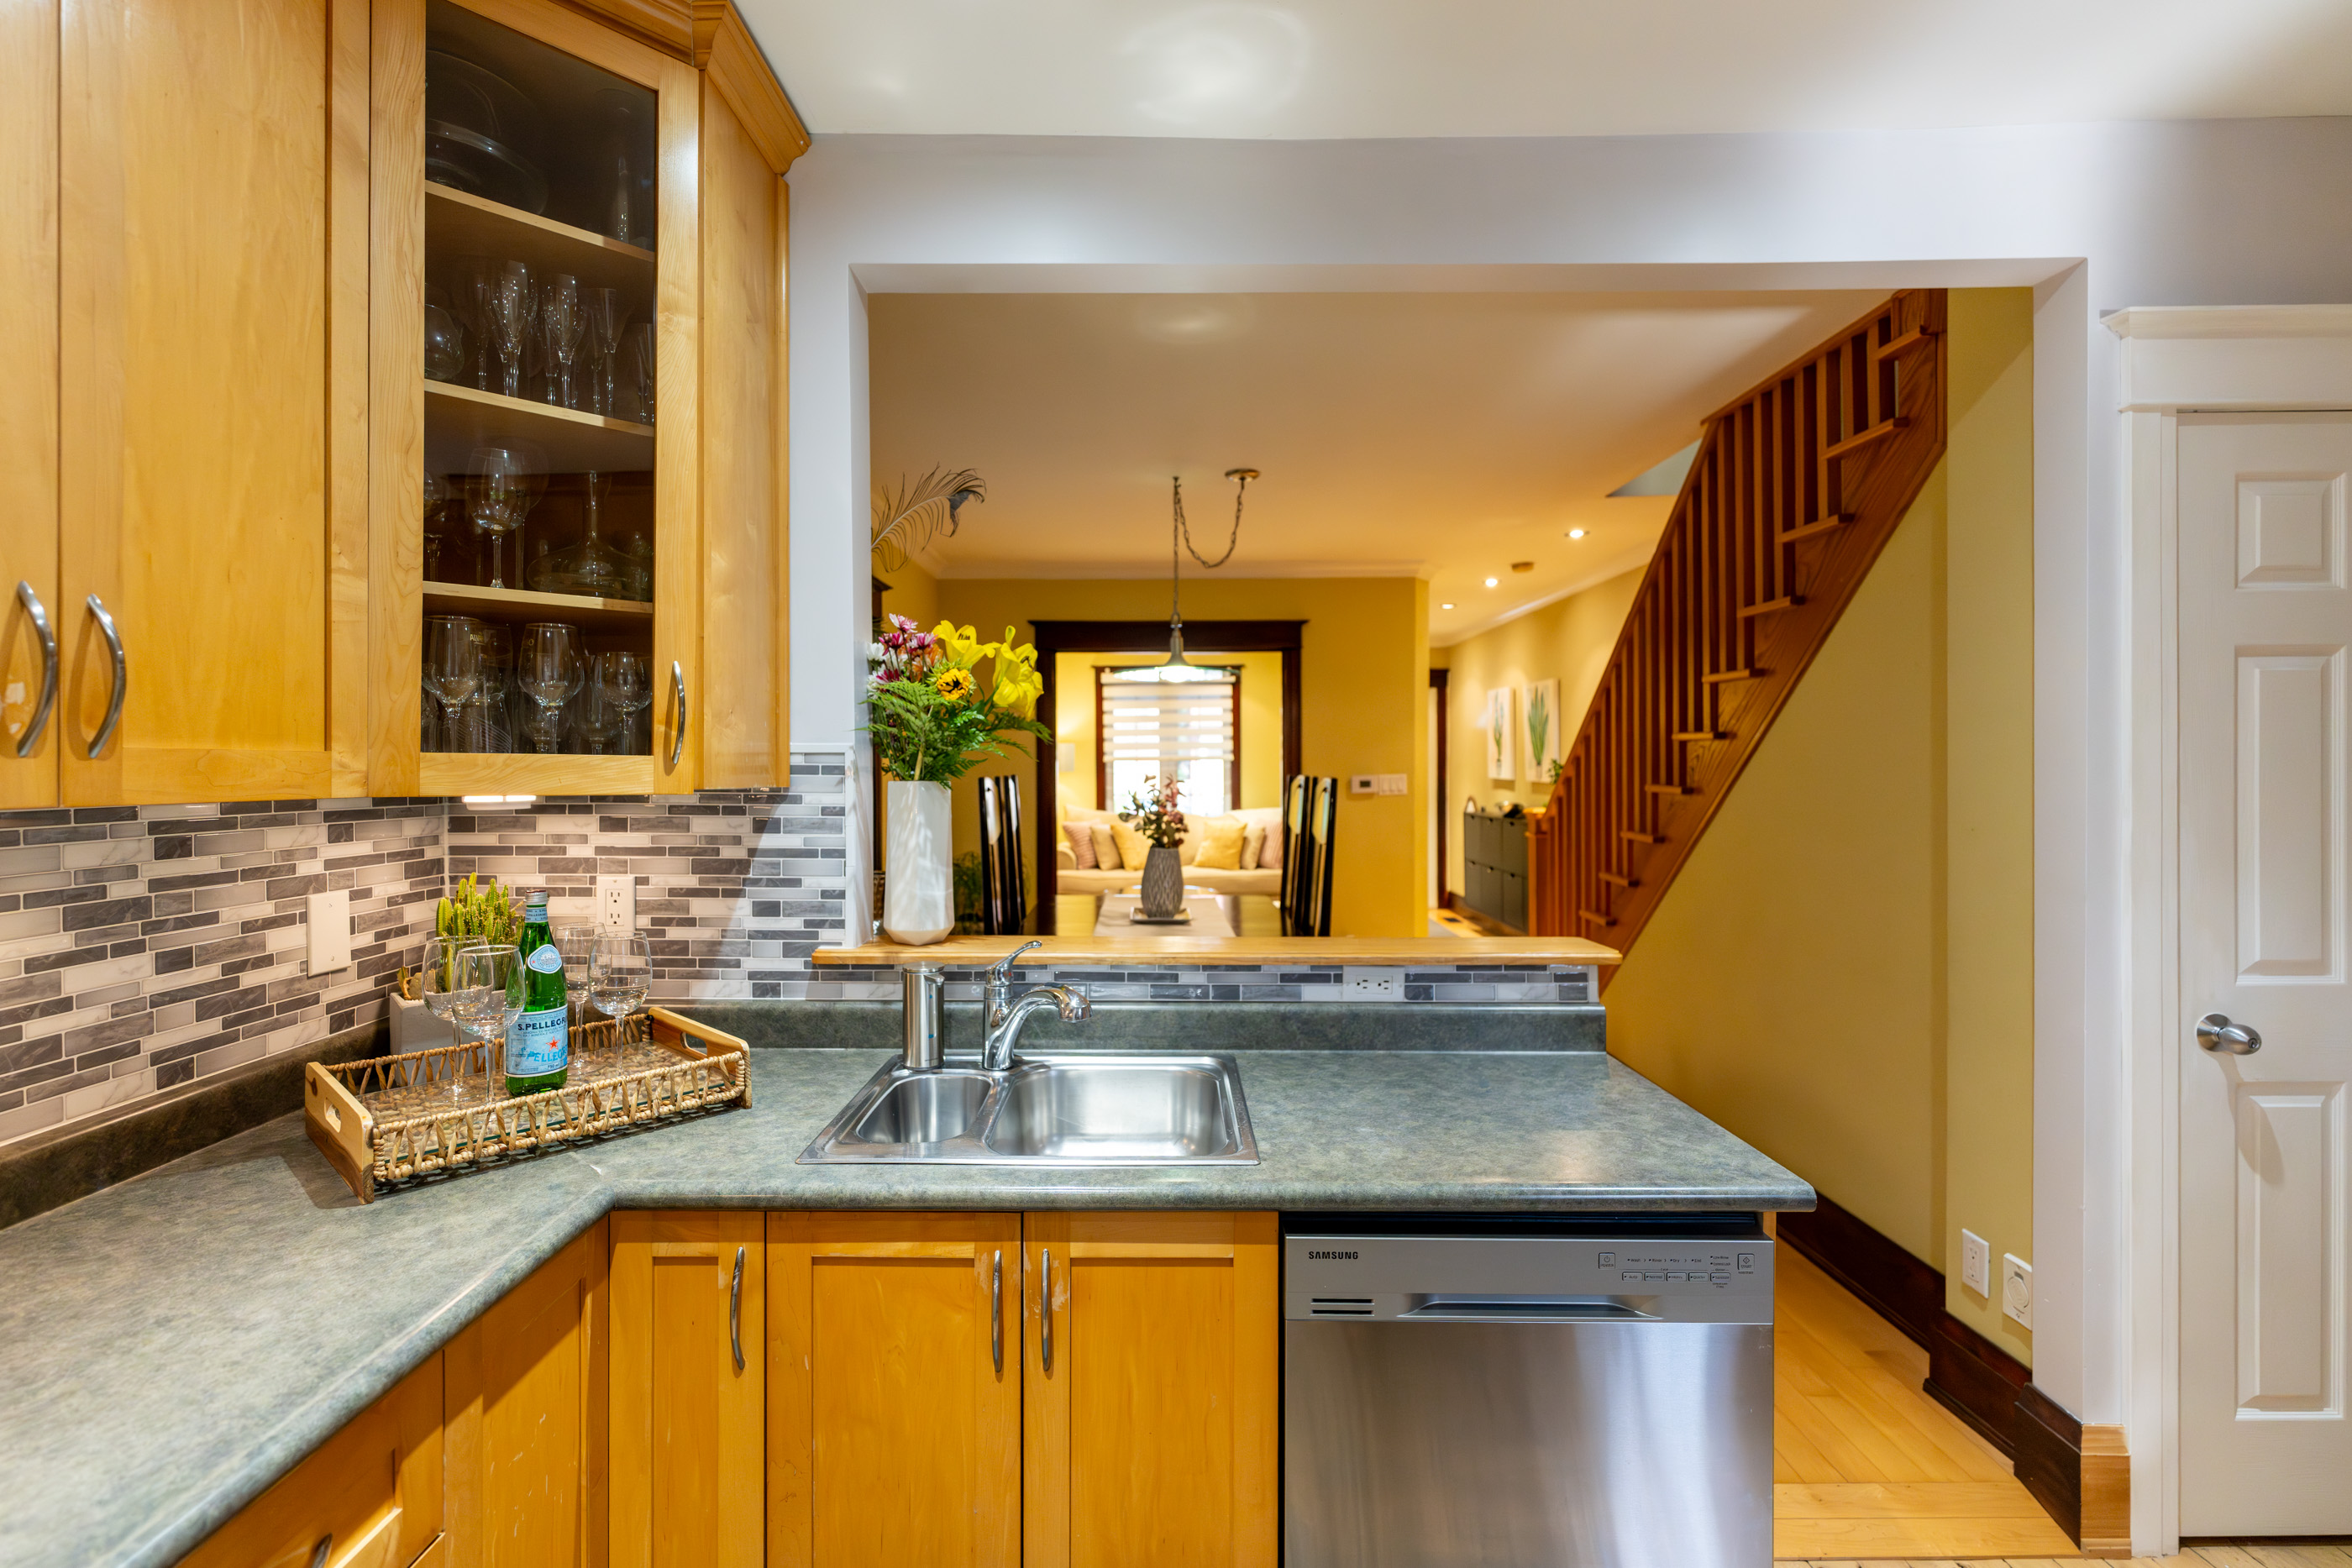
(145, 949)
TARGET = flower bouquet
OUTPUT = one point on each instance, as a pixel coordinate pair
(934, 718)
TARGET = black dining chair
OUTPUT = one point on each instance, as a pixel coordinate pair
(1004, 894)
(1310, 811)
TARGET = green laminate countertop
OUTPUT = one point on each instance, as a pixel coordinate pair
(173, 1345)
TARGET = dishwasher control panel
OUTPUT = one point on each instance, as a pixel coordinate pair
(1532, 1277)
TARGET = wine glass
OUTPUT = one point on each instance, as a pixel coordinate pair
(641, 368)
(437, 980)
(562, 320)
(488, 720)
(512, 303)
(453, 662)
(503, 484)
(605, 320)
(628, 682)
(547, 667)
(596, 718)
(485, 977)
(471, 304)
(619, 976)
(576, 943)
(445, 345)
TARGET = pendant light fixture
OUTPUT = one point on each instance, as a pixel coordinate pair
(1179, 534)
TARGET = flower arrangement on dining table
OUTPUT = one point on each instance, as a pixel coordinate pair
(1152, 813)
(933, 716)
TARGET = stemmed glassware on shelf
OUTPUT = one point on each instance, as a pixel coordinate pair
(547, 668)
(641, 342)
(562, 320)
(453, 664)
(605, 320)
(445, 345)
(513, 303)
(503, 484)
(626, 681)
(592, 566)
(490, 720)
(596, 718)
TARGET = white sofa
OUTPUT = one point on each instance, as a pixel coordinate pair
(1258, 879)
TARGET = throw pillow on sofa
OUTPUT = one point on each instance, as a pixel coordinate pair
(1220, 844)
(1132, 846)
(1082, 843)
(1106, 845)
(1253, 844)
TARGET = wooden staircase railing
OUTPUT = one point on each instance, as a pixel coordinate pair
(1796, 488)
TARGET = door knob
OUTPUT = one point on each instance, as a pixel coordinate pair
(2216, 1033)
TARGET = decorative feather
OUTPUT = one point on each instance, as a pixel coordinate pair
(905, 524)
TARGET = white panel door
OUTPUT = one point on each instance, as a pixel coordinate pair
(2265, 626)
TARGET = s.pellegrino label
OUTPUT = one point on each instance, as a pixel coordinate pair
(539, 1042)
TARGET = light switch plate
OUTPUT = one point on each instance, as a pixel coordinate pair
(1976, 1263)
(616, 904)
(1388, 784)
(1364, 783)
(2017, 1289)
(328, 921)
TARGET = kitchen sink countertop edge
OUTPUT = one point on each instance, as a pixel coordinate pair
(176, 1343)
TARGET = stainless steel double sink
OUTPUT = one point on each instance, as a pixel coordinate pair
(1075, 1108)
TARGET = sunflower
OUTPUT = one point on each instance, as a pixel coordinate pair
(954, 684)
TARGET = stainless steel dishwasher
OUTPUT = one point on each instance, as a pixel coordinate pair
(1490, 1391)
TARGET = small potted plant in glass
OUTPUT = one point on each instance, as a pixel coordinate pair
(932, 717)
(1153, 814)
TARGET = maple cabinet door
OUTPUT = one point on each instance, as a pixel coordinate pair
(213, 224)
(1153, 1390)
(893, 1417)
(690, 1385)
(524, 1425)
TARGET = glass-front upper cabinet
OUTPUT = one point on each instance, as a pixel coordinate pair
(533, 458)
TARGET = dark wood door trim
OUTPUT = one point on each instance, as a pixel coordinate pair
(1054, 637)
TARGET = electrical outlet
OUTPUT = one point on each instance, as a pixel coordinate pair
(616, 904)
(328, 922)
(1976, 1263)
(2017, 1289)
(1372, 985)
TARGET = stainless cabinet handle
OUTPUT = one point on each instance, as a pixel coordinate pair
(39, 615)
(121, 678)
(996, 1310)
(735, 1310)
(2216, 1033)
(319, 1553)
(1045, 1306)
(677, 689)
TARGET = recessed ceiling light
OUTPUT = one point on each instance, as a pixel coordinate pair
(1576, 533)
(1445, 607)
(1492, 580)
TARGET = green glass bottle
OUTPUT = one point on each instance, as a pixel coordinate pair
(539, 1042)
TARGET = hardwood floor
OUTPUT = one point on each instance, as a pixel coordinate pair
(2194, 1554)
(1865, 1465)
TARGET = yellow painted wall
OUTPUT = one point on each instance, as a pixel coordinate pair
(1842, 973)
(914, 593)
(1362, 709)
(1568, 640)
(1261, 736)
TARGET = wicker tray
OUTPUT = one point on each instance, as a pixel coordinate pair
(379, 1123)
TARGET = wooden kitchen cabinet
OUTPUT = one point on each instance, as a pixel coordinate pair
(692, 474)
(524, 1425)
(1153, 1390)
(894, 1380)
(212, 271)
(371, 1494)
(28, 393)
(689, 1383)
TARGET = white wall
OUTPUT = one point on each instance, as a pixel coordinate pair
(2096, 217)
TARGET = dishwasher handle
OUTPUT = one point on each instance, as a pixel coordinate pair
(1524, 1308)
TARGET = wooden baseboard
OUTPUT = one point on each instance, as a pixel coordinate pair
(2081, 1475)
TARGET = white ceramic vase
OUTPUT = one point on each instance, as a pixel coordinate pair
(919, 889)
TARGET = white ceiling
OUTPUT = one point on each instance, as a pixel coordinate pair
(1543, 68)
(1446, 435)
